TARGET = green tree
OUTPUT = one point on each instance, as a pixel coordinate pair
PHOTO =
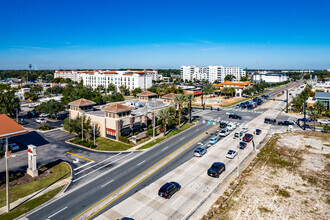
(180, 99)
(244, 79)
(123, 90)
(319, 107)
(314, 116)
(136, 91)
(80, 126)
(9, 103)
(189, 99)
(164, 114)
(111, 88)
(51, 107)
(229, 77)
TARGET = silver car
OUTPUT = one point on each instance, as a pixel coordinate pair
(200, 152)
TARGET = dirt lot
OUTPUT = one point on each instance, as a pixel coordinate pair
(288, 180)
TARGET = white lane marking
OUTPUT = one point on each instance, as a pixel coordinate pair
(181, 138)
(57, 212)
(176, 200)
(83, 165)
(197, 129)
(107, 183)
(101, 167)
(164, 148)
(97, 163)
(141, 163)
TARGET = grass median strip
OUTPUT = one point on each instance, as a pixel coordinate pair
(20, 210)
(52, 173)
(103, 144)
(174, 132)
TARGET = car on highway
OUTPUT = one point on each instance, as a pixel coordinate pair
(238, 134)
(231, 154)
(323, 121)
(258, 131)
(224, 132)
(41, 120)
(235, 116)
(200, 151)
(242, 145)
(168, 189)
(13, 147)
(216, 169)
(286, 123)
(270, 121)
(247, 137)
(213, 140)
(223, 125)
(230, 113)
(231, 126)
(244, 130)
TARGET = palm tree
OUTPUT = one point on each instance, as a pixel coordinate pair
(164, 114)
(314, 115)
(189, 99)
(179, 99)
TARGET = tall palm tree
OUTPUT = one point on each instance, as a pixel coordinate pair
(164, 114)
(314, 115)
(179, 99)
(189, 99)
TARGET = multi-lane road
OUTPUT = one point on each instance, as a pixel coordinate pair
(132, 173)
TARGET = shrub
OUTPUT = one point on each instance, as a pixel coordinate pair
(124, 139)
(45, 127)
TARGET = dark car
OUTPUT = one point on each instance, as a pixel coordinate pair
(285, 123)
(242, 145)
(258, 131)
(270, 121)
(216, 169)
(234, 116)
(223, 124)
(248, 137)
(168, 189)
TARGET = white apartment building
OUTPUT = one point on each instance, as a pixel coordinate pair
(211, 73)
(270, 77)
(131, 79)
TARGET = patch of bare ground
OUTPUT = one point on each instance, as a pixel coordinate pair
(289, 179)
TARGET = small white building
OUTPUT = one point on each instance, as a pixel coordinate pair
(270, 77)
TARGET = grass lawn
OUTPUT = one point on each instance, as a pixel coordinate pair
(58, 172)
(110, 145)
(30, 204)
(156, 141)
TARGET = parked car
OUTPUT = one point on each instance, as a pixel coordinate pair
(231, 154)
(216, 169)
(223, 124)
(235, 116)
(13, 147)
(231, 126)
(229, 113)
(224, 132)
(41, 120)
(245, 130)
(168, 189)
(242, 145)
(213, 140)
(323, 122)
(200, 151)
(287, 123)
(258, 131)
(248, 137)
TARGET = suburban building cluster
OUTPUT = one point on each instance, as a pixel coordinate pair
(322, 93)
(270, 77)
(211, 73)
(130, 79)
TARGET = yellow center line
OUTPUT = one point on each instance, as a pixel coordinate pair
(79, 156)
(189, 144)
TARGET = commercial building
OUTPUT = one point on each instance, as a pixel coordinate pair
(238, 86)
(270, 77)
(323, 97)
(131, 79)
(211, 73)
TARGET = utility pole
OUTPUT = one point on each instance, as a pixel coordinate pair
(94, 134)
(190, 110)
(16, 115)
(238, 165)
(304, 113)
(27, 78)
(7, 177)
(153, 125)
(287, 101)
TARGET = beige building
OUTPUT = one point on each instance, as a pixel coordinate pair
(146, 96)
(113, 120)
(169, 98)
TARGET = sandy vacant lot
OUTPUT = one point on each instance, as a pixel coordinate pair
(288, 180)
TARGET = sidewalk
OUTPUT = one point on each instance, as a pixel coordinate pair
(35, 195)
(140, 145)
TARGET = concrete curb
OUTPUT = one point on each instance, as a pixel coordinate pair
(68, 184)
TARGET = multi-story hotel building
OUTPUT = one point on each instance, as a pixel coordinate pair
(131, 79)
(211, 73)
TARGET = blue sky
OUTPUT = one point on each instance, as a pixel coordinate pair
(164, 34)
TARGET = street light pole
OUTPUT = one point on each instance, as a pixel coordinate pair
(238, 171)
(7, 177)
(94, 134)
(304, 113)
(82, 128)
(153, 125)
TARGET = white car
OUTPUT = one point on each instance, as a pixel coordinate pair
(224, 132)
(200, 152)
(44, 115)
(13, 147)
(41, 120)
(231, 126)
(229, 113)
(245, 130)
(231, 154)
(323, 122)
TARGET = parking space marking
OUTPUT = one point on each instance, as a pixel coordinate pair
(79, 156)
(83, 165)
(107, 183)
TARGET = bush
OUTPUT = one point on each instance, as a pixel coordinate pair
(45, 127)
(136, 133)
(83, 143)
(150, 131)
(124, 139)
(326, 128)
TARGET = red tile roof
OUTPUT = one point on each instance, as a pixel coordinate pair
(147, 93)
(9, 127)
(82, 102)
(234, 83)
(116, 108)
(169, 96)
